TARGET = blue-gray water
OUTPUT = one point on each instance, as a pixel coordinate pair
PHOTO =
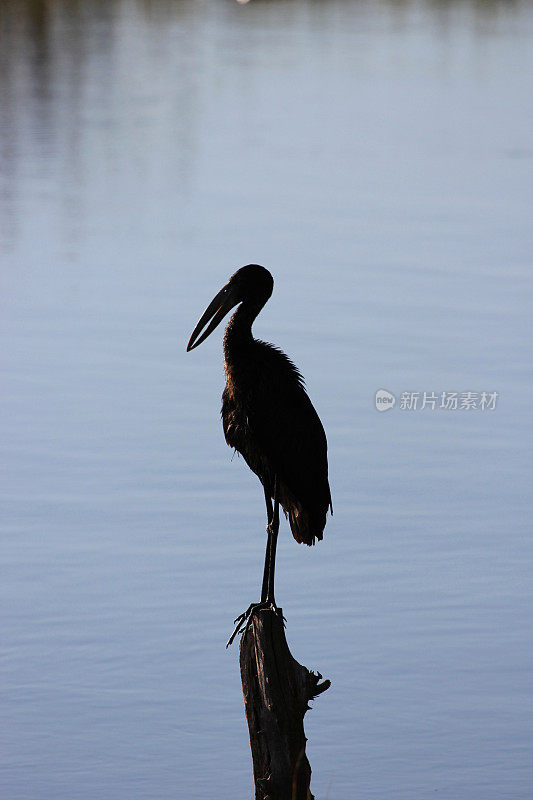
(377, 157)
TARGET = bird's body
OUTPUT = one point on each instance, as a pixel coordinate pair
(268, 417)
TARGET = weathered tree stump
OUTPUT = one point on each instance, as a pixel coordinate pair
(277, 690)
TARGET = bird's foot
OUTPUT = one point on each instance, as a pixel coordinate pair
(243, 620)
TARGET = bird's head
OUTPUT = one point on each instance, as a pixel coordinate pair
(252, 284)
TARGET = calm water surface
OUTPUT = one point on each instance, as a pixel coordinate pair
(378, 158)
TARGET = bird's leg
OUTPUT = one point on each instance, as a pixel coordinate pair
(266, 571)
(267, 589)
(274, 529)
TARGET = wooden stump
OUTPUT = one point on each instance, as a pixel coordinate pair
(277, 691)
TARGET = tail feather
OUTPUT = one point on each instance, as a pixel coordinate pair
(306, 526)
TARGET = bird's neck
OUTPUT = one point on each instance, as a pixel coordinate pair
(238, 337)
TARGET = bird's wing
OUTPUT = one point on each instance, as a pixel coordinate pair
(289, 432)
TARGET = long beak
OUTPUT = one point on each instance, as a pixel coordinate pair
(217, 308)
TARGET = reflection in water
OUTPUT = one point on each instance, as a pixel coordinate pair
(377, 158)
(57, 57)
(57, 54)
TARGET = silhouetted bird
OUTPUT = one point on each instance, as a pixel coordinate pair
(268, 417)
